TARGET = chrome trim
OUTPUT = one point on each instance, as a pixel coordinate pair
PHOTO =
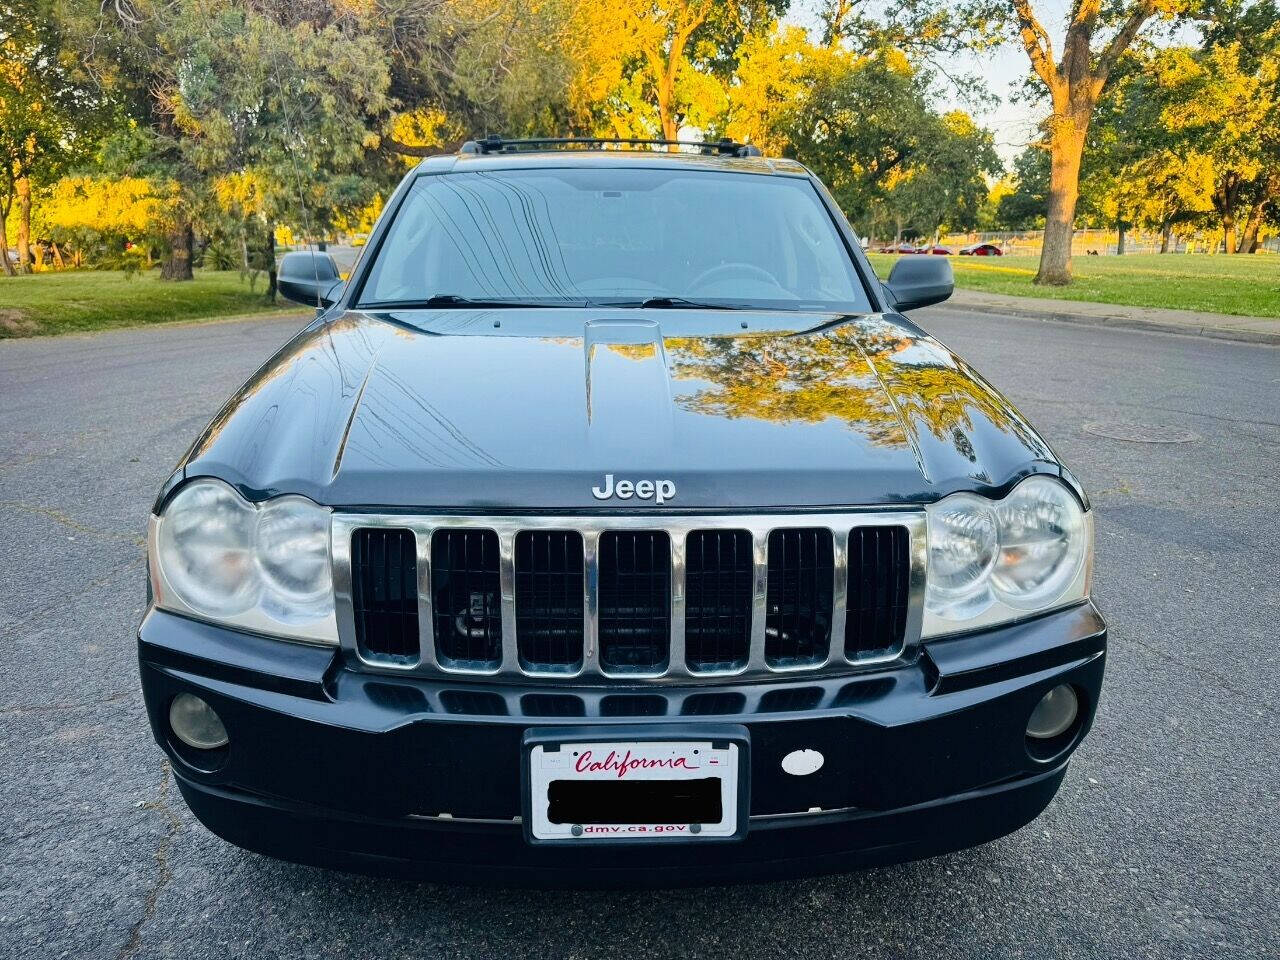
(840, 596)
(518, 821)
(678, 527)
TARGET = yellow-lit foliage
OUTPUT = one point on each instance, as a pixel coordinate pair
(239, 193)
(424, 127)
(871, 379)
(362, 220)
(129, 205)
(773, 72)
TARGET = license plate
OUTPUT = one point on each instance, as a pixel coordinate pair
(634, 790)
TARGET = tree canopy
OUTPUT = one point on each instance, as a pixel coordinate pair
(227, 120)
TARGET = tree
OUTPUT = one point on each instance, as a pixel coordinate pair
(291, 96)
(1137, 171)
(648, 65)
(48, 113)
(1252, 29)
(862, 120)
(1224, 105)
(947, 184)
(1095, 38)
(864, 123)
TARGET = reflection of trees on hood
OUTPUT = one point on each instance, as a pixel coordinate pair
(876, 380)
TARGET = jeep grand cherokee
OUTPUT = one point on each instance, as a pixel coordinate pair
(612, 525)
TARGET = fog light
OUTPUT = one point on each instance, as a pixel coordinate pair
(1054, 714)
(196, 724)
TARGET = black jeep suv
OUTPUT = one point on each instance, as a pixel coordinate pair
(611, 525)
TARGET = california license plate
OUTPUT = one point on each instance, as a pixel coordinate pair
(634, 790)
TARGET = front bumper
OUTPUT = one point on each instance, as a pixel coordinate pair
(331, 766)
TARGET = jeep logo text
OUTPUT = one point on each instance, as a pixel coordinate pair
(660, 491)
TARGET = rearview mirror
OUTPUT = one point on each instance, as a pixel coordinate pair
(310, 278)
(919, 281)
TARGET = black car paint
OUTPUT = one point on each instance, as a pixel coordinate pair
(381, 410)
(493, 411)
(355, 770)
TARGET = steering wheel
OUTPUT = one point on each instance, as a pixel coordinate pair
(736, 268)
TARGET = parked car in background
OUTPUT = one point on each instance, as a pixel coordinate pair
(898, 248)
(936, 249)
(981, 250)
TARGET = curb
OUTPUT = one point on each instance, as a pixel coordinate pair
(162, 324)
(1118, 322)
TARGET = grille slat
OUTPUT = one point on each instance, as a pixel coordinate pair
(717, 619)
(634, 600)
(466, 598)
(549, 599)
(879, 582)
(384, 591)
(800, 593)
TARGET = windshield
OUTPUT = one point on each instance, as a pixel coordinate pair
(622, 237)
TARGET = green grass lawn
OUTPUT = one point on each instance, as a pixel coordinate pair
(1242, 285)
(48, 303)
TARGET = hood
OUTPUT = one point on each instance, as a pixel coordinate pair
(531, 409)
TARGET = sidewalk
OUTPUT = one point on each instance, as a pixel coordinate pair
(1218, 325)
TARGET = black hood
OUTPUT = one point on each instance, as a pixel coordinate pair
(529, 409)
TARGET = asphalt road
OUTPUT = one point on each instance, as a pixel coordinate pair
(1163, 841)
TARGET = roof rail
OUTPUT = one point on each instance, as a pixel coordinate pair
(722, 148)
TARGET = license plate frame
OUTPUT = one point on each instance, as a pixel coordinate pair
(725, 739)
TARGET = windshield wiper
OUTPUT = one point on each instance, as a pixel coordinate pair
(439, 300)
(672, 303)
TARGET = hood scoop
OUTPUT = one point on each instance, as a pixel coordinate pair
(628, 384)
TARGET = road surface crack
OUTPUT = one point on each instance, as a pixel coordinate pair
(163, 872)
(72, 524)
(64, 706)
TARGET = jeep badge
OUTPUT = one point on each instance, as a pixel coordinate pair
(660, 491)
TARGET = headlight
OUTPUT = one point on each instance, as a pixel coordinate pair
(992, 561)
(261, 567)
(1042, 541)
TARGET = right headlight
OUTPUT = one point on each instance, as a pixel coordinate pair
(996, 560)
(263, 567)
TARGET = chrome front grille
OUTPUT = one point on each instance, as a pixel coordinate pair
(653, 598)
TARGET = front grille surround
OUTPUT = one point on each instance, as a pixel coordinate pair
(590, 669)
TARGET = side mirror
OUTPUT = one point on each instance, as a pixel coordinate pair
(309, 278)
(919, 281)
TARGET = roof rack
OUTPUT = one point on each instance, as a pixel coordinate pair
(723, 148)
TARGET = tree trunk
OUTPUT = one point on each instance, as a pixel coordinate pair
(4, 245)
(1164, 237)
(1249, 240)
(666, 103)
(177, 264)
(271, 262)
(1066, 146)
(1229, 232)
(1120, 225)
(57, 256)
(23, 187)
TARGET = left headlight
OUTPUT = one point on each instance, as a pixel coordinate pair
(992, 561)
(263, 567)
